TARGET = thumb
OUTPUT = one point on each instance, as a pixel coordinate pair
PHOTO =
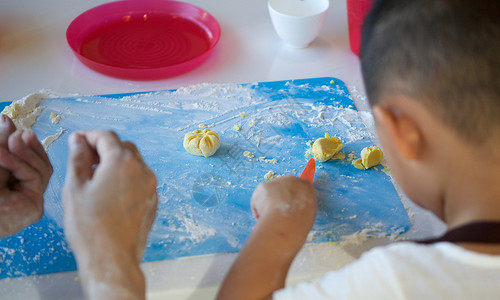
(81, 159)
(7, 128)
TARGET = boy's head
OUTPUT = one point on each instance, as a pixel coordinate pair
(432, 75)
(442, 53)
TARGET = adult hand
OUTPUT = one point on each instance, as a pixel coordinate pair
(110, 204)
(285, 209)
(25, 172)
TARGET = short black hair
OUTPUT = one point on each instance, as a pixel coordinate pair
(444, 53)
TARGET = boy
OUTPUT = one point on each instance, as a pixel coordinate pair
(431, 70)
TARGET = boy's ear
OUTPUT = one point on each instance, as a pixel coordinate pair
(401, 129)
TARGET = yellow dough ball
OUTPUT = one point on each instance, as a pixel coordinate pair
(358, 164)
(370, 157)
(202, 142)
(325, 148)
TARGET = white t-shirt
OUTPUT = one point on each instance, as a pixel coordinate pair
(407, 270)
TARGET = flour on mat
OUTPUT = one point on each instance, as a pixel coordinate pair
(51, 138)
(197, 233)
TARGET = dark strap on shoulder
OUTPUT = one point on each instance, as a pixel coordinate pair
(478, 232)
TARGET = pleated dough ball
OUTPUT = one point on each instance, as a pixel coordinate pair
(202, 142)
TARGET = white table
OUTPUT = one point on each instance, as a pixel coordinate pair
(34, 56)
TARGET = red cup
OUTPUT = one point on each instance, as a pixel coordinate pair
(356, 13)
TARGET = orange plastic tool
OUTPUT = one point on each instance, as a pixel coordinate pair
(309, 170)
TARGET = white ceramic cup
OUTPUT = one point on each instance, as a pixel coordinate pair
(298, 22)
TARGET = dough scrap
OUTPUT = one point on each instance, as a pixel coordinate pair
(338, 155)
(325, 148)
(248, 154)
(269, 175)
(54, 118)
(202, 142)
(24, 112)
(370, 157)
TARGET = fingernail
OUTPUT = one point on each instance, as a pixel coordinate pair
(28, 133)
(74, 141)
(18, 133)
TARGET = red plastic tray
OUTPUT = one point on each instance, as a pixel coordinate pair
(143, 40)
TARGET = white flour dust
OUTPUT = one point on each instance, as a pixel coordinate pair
(51, 138)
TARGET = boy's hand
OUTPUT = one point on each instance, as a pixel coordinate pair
(286, 196)
(290, 199)
(25, 172)
(285, 209)
(110, 204)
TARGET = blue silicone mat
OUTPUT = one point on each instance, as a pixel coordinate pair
(204, 202)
